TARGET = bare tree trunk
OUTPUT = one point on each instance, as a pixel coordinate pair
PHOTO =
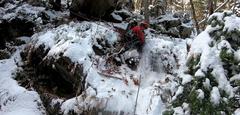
(138, 4)
(169, 5)
(210, 7)
(150, 1)
(182, 5)
(146, 10)
(194, 16)
(164, 6)
(215, 4)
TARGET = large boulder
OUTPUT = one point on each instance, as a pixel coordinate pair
(9, 30)
(95, 8)
(185, 31)
(168, 21)
(175, 25)
(36, 2)
(58, 61)
(24, 19)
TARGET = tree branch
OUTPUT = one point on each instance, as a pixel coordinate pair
(222, 5)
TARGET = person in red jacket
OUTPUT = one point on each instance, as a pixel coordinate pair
(136, 37)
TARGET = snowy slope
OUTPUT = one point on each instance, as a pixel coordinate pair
(159, 67)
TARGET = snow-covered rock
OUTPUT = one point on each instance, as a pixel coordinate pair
(172, 26)
(18, 18)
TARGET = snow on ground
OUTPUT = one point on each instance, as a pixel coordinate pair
(14, 99)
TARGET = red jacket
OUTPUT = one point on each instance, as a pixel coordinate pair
(139, 33)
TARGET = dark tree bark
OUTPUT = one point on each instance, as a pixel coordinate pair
(210, 7)
(194, 16)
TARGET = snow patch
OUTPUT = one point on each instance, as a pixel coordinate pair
(179, 91)
(14, 99)
(200, 94)
(215, 96)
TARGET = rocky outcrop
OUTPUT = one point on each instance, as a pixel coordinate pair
(185, 31)
(9, 30)
(23, 19)
(92, 8)
(55, 74)
(36, 2)
(173, 25)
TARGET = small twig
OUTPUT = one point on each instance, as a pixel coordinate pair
(110, 76)
(222, 5)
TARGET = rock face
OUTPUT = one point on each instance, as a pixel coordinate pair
(36, 2)
(95, 8)
(21, 19)
(173, 25)
(184, 31)
(14, 28)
